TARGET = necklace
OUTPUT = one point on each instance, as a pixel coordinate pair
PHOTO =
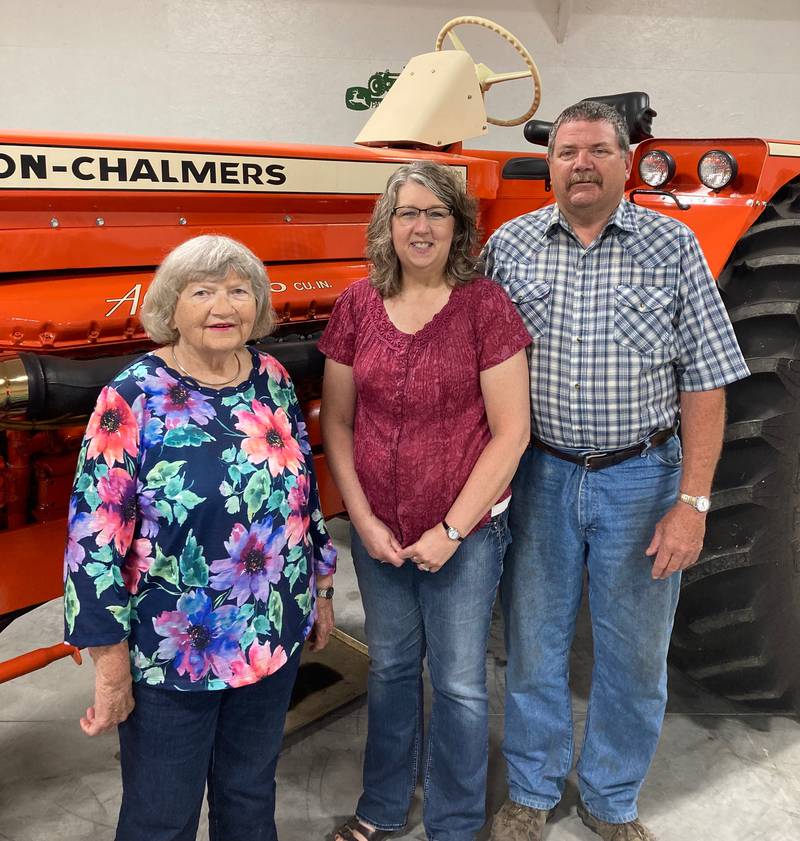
(204, 382)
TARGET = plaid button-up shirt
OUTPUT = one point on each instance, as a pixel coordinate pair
(619, 328)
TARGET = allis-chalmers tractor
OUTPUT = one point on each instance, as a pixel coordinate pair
(85, 220)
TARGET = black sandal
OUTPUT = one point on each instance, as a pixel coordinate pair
(353, 824)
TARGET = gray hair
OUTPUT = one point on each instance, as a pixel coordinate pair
(206, 257)
(448, 186)
(592, 112)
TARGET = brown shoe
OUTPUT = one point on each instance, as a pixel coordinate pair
(515, 822)
(630, 831)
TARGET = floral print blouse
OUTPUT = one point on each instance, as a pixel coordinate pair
(195, 529)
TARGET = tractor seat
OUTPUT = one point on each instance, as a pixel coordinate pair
(634, 107)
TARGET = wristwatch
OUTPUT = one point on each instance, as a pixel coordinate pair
(324, 592)
(699, 503)
(451, 532)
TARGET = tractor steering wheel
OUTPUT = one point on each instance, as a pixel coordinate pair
(486, 77)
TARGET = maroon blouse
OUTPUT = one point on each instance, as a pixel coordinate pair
(420, 421)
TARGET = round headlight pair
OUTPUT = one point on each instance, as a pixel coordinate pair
(716, 168)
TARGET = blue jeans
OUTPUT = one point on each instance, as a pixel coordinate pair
(176, 742)
(447, 614)
(565, 519)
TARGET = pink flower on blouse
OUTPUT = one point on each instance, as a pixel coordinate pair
(269, 438)
(112, 429)
(262, 662)
(137, 562)
(116, 517)
(274, 369)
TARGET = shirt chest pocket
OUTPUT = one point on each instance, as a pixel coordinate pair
(643, 317)
(533, 303)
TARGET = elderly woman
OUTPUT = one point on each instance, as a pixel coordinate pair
(425, 416)
(196, 554)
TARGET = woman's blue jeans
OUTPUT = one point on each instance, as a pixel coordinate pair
(445, 615)
(567, 520)
(174, 743)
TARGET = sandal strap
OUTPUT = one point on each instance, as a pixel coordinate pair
(352, 825)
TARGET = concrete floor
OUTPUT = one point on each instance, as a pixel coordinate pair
(722, 773)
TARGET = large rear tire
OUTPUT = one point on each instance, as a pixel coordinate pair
(737, 630)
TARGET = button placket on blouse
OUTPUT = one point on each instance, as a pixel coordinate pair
(575, 349)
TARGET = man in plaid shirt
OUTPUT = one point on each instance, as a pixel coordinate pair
(628, 334)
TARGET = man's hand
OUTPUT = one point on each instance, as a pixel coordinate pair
(323, 624)
(432, 551)
(677, 540)
(379, 541)
(113, 695)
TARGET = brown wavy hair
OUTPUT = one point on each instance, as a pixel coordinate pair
(448, 185)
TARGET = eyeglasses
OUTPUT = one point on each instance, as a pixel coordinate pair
(407, 215)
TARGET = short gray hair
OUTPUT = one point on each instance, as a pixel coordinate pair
(206, 257)
(591, 112)
(447, 184)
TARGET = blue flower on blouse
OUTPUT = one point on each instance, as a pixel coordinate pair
(178, 403)
(200, 639)
(254, 563)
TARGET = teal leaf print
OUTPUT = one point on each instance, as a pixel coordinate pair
(275, 500)
(295, 553)
(292, 573)
(235, 474)
(165, 510)
(261, 623)
(186, 436)
(294, 648)
(256, 492)
(122, 613)
(189, 499)
(285, 508)
(162, 473)
(225, 489)
(102, 575)
(164, 566)
(248, 638)
(304, 602)
(173, 487)
(180, 513)
(154, 676)
(72, 607)
(246, 468)
(246, 610)
(232, 505)
(101, 469)
(104, 554)
(278, 394)
(231, 400)
(229, 455)
(276, 610)
(92, 499)
(250, 395)
(194, 569)
(216, 684)
(84, 483)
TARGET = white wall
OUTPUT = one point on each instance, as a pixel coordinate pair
(278, 69)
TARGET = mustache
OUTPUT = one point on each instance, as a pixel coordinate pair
(585, 178)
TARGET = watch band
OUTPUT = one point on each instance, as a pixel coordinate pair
(699, 503)
(324, 592)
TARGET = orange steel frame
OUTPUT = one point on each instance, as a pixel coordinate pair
(74, 286)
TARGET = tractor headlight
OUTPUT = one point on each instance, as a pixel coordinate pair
(656, 168)
(717, 169)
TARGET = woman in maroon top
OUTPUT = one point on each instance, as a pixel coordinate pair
(425, 416)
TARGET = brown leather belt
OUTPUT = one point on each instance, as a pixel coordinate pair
(600, 459)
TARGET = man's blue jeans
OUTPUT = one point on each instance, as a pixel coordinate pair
(447, 614)
(565, 519)
(174, 743)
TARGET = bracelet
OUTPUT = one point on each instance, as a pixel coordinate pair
(324, 592)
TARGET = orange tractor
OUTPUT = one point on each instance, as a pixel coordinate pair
(85, 220)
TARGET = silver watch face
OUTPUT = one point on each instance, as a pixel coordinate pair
(453, 533)
(703, 504)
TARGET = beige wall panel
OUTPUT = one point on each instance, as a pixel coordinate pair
(278, 69)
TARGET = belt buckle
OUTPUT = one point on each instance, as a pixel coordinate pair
(587, 459)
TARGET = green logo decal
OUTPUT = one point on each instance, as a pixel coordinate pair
(359, 98)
